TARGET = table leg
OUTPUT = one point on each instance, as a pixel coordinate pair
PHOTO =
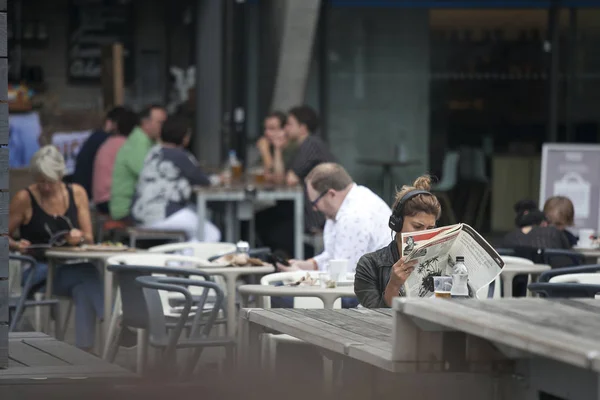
(328, 301)
(507, 280)
(49, 288)
(108, 299)
(201, 212)
(112, 326)
(231, 298)
(249, 346)
(230, 222)
(299, 226)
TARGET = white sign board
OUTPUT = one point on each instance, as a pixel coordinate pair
(573, 171)
(69, 144)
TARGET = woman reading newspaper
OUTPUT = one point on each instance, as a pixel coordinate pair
(419, 252)
(380, 276)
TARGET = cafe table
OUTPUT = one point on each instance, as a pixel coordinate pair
(231, 274)
(591, 253)
(93, 254)
(239, 197)
(327, 295)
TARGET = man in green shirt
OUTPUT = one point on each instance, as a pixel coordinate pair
(130, 160)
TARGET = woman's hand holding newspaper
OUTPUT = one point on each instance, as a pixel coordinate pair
(401, 270)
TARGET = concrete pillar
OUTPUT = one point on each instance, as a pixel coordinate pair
(298, 26)
(209, 42)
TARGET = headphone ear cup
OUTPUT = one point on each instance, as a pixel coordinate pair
(396, 223)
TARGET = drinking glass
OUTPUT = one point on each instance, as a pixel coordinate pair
(442, 285)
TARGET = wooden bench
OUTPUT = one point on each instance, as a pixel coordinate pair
(38, 361)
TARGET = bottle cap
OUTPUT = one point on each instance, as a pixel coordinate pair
(460, 259)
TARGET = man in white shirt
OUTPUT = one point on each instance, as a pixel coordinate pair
(357, 218)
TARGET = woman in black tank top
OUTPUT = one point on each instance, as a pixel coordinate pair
(40, 212)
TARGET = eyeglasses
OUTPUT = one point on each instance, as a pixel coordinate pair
(315, 201)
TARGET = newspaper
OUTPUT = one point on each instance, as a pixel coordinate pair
(436, 251)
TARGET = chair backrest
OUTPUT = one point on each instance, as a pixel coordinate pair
(290, 277)
(516, 260)
(160, 260)
(559, 258)
(449, 172)
(588, 278)
(547, 275)
(203, 250)
(564, 290)
(157, 327)
(133, 303)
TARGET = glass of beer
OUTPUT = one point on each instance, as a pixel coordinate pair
(442, 285)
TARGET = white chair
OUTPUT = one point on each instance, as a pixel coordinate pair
(197, 249)
(516, 260)
(150, 260)
(585, 278)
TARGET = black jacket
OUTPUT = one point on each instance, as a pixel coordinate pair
(373, 274)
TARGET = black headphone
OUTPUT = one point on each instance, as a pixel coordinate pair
(397, 217)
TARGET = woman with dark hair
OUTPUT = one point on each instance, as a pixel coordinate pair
(533, 230)
(560, 212)
(276, 150)
(163, 194)
(380, 275)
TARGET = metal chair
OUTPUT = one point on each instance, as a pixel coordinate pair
(546, 276)
(200, 328)
(559, 258)
(565, 290)
(134, 312)
(18, 304)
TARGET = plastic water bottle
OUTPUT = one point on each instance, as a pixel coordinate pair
(460, 279)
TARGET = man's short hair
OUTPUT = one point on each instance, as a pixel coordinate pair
(280, 115)
(306, 116)
(147, 111)
(174, 130)
(126, 122)
(114, 113)
(327, 176)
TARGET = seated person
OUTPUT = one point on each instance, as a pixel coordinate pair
(533, 230)
(380, 275)
(163, 195)
(356, 220)
(275, 225)
(560, 213)
(44, 209)
(130, 160)
(276, 150)
(106, 156)
(84, 163)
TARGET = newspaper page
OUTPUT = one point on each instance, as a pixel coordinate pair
(436, 252)
(430, 248)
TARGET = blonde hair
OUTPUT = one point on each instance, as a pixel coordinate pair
(48, 163)
(559, 211)
(429, 204)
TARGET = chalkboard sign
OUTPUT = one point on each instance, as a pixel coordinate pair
(571, 170)
(93, 24)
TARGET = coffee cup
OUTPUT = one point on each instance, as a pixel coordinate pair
(585, 238)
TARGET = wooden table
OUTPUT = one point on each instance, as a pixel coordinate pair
(509, 271)
(237, 196)
(99, 258)
(361, 340)
(328, 296)
(557, 340)
(38, 360)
